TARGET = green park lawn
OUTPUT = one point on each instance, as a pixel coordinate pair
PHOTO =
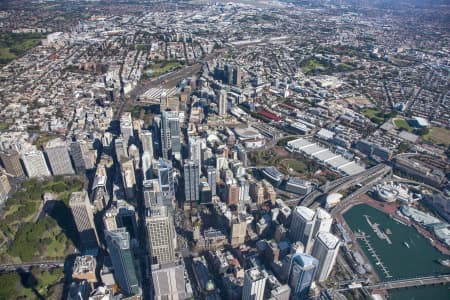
(160, 68)
(296, 166)
(402, 124)
(36, 284)
(29, 239)
(438, 136)
(13, 45)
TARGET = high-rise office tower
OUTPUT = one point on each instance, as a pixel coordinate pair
(322, 224)
(35, 165)
(161, 235)
(170, 133)
(100, 195)
(120, 147)
(128, 178)
(232, 194)
(83, 156)
(5, 188)
(195, 150)
(325, 249)
(237, 75)
(84, 219)
(228, 70)
(205, 193)
(165, 178)
(58, 157)
(76, 151)
(121, 214)
(191, 181)
(133, 154)
(301, 275)
(302, 225)
(147, 169)
(147, 142)
(254, 284)
(238, 230)
(223, 103)
(11, 162)
(244, 190)
(126, 127)
(212, 177)
(118, 245)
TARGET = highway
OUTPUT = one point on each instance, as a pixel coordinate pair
(341, 184)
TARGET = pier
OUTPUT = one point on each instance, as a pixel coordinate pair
(376, 228)
(362, 236)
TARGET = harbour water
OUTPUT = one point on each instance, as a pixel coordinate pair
(408, 255)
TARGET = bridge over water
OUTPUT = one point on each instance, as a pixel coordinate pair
(401, 283)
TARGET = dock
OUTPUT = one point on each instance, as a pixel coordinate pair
(362, 236)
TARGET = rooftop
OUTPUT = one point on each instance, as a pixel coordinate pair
(329, 240)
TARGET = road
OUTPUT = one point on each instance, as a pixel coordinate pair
(49, 264)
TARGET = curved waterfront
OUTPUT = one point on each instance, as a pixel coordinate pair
(401, 262)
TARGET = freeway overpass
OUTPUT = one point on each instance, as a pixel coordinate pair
(342, 184)
(402, 283)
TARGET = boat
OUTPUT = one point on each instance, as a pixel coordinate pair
(406, 244)
(444, 262)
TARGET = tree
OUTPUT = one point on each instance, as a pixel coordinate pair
(423, 131)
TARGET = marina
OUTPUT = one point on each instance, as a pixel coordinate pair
(395, 259)
(363, 237)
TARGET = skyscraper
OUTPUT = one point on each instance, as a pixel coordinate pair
(211, 174)
(34, 163)
(223, 103)
(147, 142)
(326, 248)
(120, 147)
(161, 235)
(76, 151)
(195, 150)
(302, 225)
(121, 214)
(84, 220)
(147, 170)
(118, 244)
(322, 224)
(11, 162)
(83, 155)
(128, 178)
(58, 157)
(191, 181)
(170, 134)
(165, 178)
(301, 275)
(237, 76)
(254, 284)
(126, 127)
(232, 194)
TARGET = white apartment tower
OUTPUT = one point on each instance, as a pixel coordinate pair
(302, 225)
(254, 284)
(326, 248)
